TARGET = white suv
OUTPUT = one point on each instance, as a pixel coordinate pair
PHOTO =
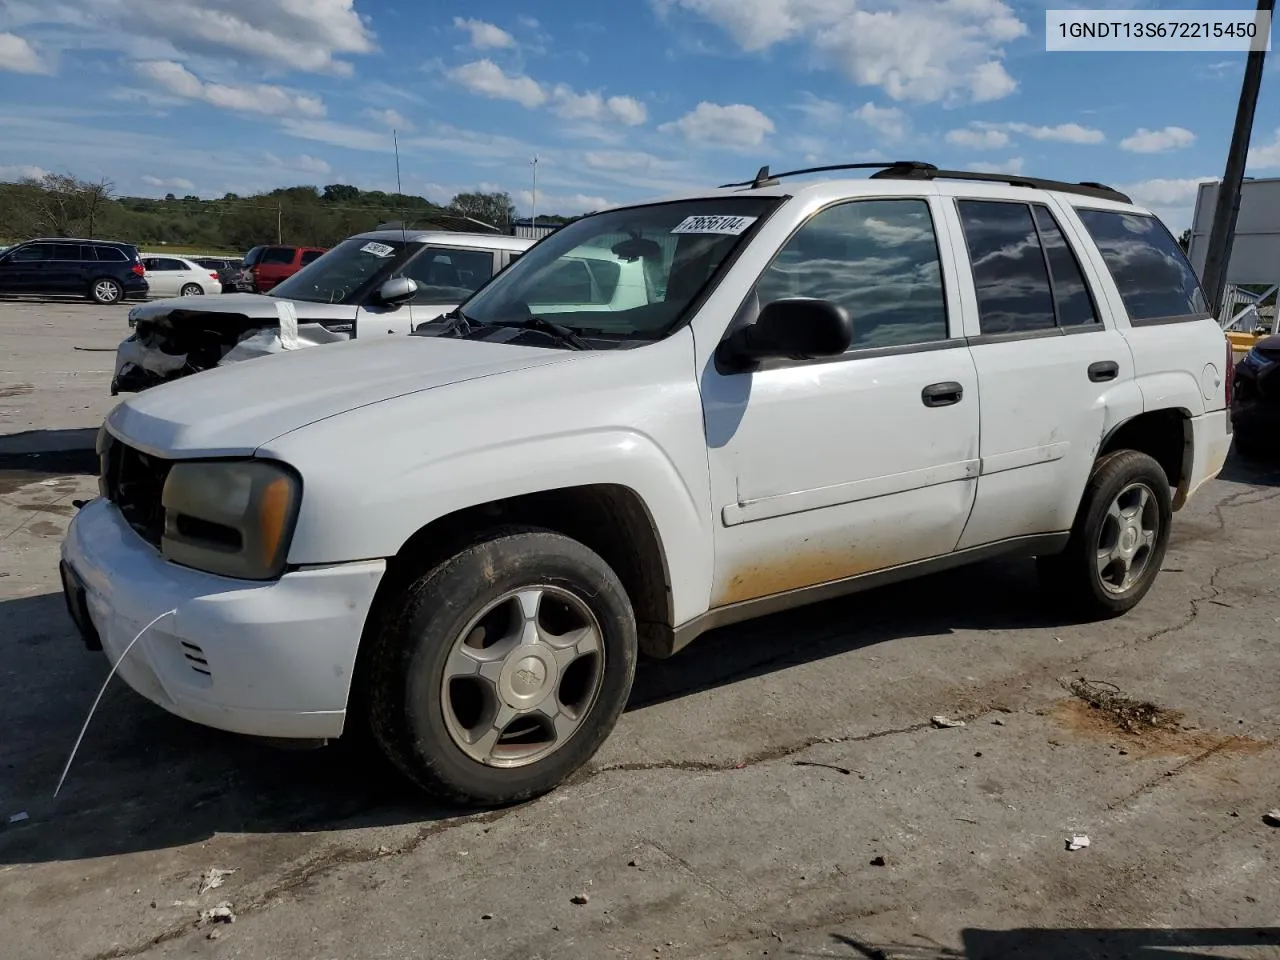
(664, 417)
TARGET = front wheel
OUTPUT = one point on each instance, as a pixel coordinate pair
(503, 669)
(1119, 540)
(106, 291)
(191, 290)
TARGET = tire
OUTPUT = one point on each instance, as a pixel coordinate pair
(106, 291)
(1127, 509)
(443, 673)
(191, 290)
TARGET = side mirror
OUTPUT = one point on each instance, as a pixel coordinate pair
(397, 290)
(793, 329)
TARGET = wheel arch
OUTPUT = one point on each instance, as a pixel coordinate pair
(1166, 436)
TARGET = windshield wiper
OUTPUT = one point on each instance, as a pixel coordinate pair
(559, 331)
(456, 323)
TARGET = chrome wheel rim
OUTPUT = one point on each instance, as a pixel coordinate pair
(190, 290)
(1127, 540)
(523, 676)
(106, 291)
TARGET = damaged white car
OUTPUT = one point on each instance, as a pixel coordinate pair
(375, 284)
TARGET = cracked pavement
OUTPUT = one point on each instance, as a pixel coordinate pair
(775, 790)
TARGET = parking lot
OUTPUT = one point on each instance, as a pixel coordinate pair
(778, 789)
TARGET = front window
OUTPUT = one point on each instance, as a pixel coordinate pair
(341, 275)
(448, 274)
(627, 273)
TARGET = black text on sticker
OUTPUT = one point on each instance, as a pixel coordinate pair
(731, 226)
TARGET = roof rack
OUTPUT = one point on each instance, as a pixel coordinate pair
(928, 172)
(766, 179)
(918, 170)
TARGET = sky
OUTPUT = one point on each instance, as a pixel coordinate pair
(618, 100)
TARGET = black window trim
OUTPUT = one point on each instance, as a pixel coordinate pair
(1057, 329)
(1148, 321)
(853, 353)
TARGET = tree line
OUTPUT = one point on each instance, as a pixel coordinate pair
(60, 205)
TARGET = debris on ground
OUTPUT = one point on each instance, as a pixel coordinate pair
(1130, 715)
(19, 817)
(222, 913)
(944, 723)
(486, 916)
(213, 878)
(579, 899)
(879, 861)
(1078, 842)
(1272, 818)
(998, 721)
(826, 766)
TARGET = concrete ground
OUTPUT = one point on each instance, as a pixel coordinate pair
(776, 790)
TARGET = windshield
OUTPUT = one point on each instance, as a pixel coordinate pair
(342, 273)
(628, 273)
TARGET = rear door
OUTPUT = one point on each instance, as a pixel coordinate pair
(1054, 373)
(164, 274)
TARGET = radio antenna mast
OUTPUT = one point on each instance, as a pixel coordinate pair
(395, 140)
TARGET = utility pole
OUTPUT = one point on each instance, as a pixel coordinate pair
(534, 217)
(1227, 208)
(279, 222)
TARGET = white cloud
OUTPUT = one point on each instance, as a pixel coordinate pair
(338, 134)
(976, 138)
(487, 79)
(736, 125)
(921, 50)
(22, 171)
(1012, 165)
(303, 163)
(247, 98)
(1172, 200)
(530, 23)
(890, 122)
(567, 205)
(1158, 141)
(485, 36)
(1266, 156)
(390, 118)
(17, 55)
(1062, 133)
(173, 183)
(827, 113)
(307, 35)
(594, 106)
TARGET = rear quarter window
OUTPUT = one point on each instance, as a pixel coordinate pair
(110, 254)
(1154, 277)
(283, 255)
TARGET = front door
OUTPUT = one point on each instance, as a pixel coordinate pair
(824, 470)
(24, 269)
(1054, 376)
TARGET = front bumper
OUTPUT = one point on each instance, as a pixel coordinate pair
(267, 659)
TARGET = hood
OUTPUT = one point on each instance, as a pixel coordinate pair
(231, 411)
(253, 306)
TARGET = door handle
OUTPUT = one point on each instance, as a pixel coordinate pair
(942, 394)
(1103, 371)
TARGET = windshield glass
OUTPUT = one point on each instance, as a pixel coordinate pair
(339, 275)
(627, 273)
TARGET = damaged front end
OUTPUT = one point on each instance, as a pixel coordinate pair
(170, 345)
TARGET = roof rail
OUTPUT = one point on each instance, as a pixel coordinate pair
(928, 172)
(766, 179)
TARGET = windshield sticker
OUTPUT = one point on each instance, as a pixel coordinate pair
(378, 249)
(729, 226)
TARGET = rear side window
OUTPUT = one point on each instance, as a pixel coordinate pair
(311, 256)
(1009, 271)
(1070, 293)
(110, 254)
(1153, 276)
(278, 255)
(66, 251)
(876, 258)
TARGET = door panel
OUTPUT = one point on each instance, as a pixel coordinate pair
(829, 469)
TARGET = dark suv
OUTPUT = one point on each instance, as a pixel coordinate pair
(103, 270)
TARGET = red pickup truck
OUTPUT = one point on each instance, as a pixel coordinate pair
(266, 266)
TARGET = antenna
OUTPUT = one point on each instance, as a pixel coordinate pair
(404, 237)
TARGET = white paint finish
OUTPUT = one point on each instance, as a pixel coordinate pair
(280, 654)
(628, 417)
(800, 438)
(1208, 443)
(169, 283)
(233, 410)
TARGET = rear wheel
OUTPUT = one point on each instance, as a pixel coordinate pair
(106, 291)
(503, 668)
(191, 290)
(1119, 539)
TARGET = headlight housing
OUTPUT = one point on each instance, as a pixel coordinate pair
(234, 518)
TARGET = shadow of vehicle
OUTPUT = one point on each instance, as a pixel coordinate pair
(28, 459)
(1259, 471)
(1074, 944)
(146, 780)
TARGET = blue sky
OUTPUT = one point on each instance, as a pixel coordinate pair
(619, 100)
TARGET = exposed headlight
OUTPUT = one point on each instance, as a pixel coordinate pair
(230, 517)
(133, 316)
